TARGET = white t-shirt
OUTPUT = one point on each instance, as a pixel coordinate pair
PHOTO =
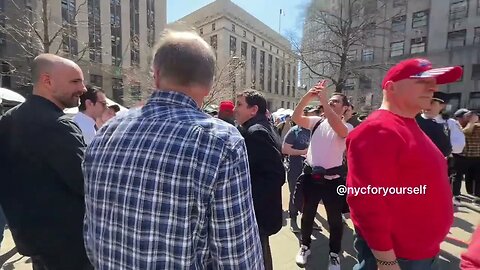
(326, 147)
(87, 125)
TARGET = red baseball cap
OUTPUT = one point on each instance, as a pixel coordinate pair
(418, 68)
(226, 106)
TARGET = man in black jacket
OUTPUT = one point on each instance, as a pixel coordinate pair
(266, 167)
(41, 188)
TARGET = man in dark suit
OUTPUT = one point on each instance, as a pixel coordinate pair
(266, 167)
(41, 188)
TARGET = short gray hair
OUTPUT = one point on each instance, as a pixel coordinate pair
(184, 58)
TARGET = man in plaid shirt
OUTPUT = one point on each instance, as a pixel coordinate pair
(167, 186)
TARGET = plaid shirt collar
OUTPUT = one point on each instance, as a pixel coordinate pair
(171, 98)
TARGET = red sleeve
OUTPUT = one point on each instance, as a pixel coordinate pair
(471, 258)
(372, 154)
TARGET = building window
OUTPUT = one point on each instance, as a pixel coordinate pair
(370, 29)
(244, 33)
(201, 31)
(478, 7)
(397, 48)
(94, 31)
(277, 50)
(69, 24)
(270, 47)
(349, 84)
(419, 45)
(476, 72)
(458, 10)
(213, 26)
(399, 23)
(243, 50)
(117, 90)
(254, 68)
(365, 83)
(370, 7)
(263, 43)
(214, 42)
(233, 27)
(96, 80)
(243, 56)
(136, 92)
(134, 33)
(420, 19)
(352, 55)
(115, 27)
(254, 39)
(262, 70)
(277, 73)
(399, 3)
(476, 37)
(233, 46)
(474, 101)
(289, 73)
(456, 39)
(270, 71)
(151, 23)
(367, 55)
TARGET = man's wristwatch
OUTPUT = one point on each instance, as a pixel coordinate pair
(386, 263)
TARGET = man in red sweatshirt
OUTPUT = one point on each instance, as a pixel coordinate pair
(402, 209)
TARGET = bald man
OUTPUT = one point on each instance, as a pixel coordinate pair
(41, 188)
(403, 210)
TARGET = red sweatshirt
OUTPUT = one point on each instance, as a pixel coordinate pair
(471, 258)
(387, 150)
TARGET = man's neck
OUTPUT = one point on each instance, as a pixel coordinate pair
(398, 111)
(42, 94)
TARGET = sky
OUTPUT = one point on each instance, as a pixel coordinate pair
(267, 11)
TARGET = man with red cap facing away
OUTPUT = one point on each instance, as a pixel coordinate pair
(225, 111)
(400, 228)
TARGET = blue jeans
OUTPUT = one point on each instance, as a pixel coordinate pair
(366, 260)
(3, 222)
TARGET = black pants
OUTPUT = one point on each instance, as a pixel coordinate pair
(294, 171)
(267, 253)
(323, 190)
(470, 168)
(62, 260)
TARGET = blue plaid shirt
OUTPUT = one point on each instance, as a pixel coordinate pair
(168, 187)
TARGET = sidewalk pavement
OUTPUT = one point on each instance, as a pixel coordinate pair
(285, 244)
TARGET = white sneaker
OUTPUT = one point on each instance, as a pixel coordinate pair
(456, 201)
(334, 262)
(302, 256)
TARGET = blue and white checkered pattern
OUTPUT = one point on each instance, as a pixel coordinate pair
(168, 187)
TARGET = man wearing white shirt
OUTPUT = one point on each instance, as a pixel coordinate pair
(92, 105)
(324, 171)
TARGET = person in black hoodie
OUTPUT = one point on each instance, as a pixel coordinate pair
(266, 167)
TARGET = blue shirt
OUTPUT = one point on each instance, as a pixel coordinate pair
(168, 187)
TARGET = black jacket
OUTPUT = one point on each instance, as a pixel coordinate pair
(267, 172)
(436, 133)
(41, 183)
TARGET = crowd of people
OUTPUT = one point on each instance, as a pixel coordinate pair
(168, 186)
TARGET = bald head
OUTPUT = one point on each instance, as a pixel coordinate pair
(184, 59)
(46, 63)
(57, 79)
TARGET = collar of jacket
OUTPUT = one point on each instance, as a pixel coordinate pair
(255, 120)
